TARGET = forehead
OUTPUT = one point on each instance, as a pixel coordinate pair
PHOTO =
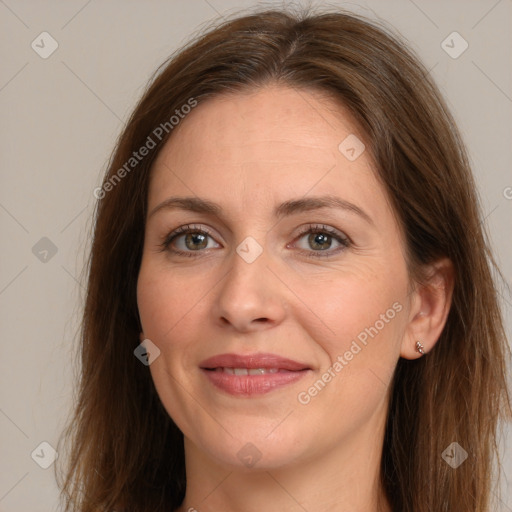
(275, 142)
(275, 118)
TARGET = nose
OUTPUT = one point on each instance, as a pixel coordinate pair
(250, 297)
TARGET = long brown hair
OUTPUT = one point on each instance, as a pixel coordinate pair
(125, 450)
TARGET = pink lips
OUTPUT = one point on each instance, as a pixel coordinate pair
(251, 374)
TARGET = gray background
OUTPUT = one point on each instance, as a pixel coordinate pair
(60, 118)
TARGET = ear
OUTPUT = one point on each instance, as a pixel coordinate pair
(142, 337)
(430, 305)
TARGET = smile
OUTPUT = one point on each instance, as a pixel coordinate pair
(254, 381)
(246, 375)
(247, 371)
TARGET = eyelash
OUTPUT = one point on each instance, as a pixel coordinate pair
(312, 228)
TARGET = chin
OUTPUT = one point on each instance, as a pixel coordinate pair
(252, 457)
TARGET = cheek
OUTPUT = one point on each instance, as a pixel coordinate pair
(155, 301)
(354, 303)
(358, 321)
(167, 305)
(165, 298)
(174, 305)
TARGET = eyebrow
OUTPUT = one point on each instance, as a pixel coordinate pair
(288, 208)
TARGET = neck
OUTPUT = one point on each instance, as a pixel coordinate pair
(343, 480)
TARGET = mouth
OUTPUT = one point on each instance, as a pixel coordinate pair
(246, 375)
(246, 371)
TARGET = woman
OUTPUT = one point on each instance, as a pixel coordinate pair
(290, 303)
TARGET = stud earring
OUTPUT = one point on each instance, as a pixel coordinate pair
(420, 348)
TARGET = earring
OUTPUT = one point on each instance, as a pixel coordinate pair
(420, 348)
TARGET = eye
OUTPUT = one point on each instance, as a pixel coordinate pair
(320, 240)
(188, 239)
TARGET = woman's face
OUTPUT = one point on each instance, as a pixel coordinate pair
(293, 253)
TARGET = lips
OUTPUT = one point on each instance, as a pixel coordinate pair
(254, 361)
(246, 375)
(248, 371)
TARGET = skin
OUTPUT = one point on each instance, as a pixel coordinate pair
(249, 152)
